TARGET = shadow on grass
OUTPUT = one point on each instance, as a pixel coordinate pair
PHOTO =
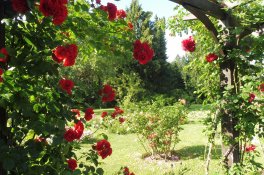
(197, 151)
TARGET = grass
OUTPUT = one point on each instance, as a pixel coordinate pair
(127, 151)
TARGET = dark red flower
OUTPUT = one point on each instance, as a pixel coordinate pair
(250, 148)
(103, 7)
(66, 85)
(112, 10)
(121, 120)
(107, 93)
(117, 112)
(251, 97)
(55, 8)
(130, 25)
(188, 44)
(211, 57)
(98, 1)
(5, 53)
(78, 128)
(72, 164)
(78, 114)
(70, 135)
(142, 52)
(89, 114)
(126, 171)
(131, 174)
(74, 133)
(261, 87)
(104, 114)
(67, 54)
(20, 6)
(103, 148)
(60, 15)
(121, 14)
(1, 73)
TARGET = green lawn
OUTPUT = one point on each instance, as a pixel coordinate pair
(127, 151)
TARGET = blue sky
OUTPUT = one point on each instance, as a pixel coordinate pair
(161, 8)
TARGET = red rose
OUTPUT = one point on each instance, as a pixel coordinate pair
(130, 25)
(121, 13)
(112, 10)
(5, 53)
(126, 171)
(103, 148)
(261, 87)
(67, 54)
(142, 52)
(72, 164)
(121, 120)
(1, 73)
(60, 15)
(188, 44)
(54, 8)
(251, 97)
(104, 114)
(117, 112)
(131, 174)
(78, 114)
(103, 7)
(78, 128)
(107, 93)
(89, 114)
(211, 57)
(70, 135)
(66, 85)
(98, 1)
(20, 6)
(250, 148)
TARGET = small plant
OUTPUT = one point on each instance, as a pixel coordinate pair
(159, 127)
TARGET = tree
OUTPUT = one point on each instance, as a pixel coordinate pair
(40, 121)
(230, 26)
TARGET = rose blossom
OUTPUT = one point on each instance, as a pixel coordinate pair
(66, 85)
(251, 97)
(107, 93)
(103, 148)
(89, 114)
(112, 10)
(20, 6)
(211, 57)
(72, 164)
(188, 44)
(67, 54)
(5, 53)
(142, 52)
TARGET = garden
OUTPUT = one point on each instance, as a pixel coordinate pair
(86, 88)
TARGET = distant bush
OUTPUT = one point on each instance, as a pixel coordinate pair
(158, 126)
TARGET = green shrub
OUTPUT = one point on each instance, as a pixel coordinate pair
(158, 126)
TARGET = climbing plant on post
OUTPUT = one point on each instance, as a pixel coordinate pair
(231, 26)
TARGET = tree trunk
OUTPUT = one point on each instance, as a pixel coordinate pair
(3, 114)
(231, 150)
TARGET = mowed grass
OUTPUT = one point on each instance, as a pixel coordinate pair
(127, 151)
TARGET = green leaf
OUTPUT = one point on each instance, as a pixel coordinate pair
(29, 41)
(8, 164)
(100, 171)
(2, 55)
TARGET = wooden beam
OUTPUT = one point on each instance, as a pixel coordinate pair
(208, 7)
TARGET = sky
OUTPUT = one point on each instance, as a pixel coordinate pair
(161, 8)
